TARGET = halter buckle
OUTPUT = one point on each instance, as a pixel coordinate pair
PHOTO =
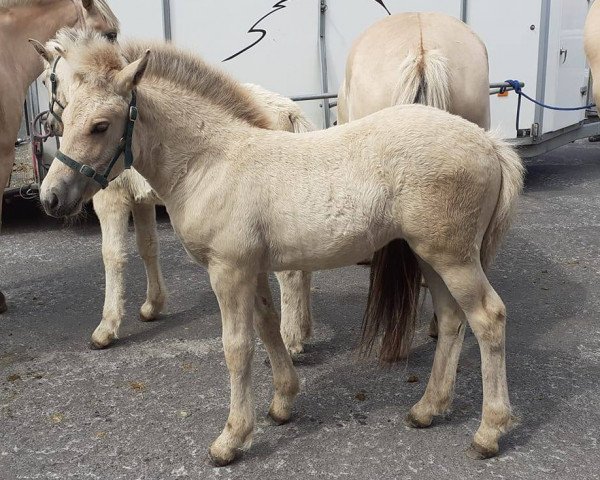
(87, 171)
(133, 113)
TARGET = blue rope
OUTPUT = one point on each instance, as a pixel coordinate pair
(516, 85)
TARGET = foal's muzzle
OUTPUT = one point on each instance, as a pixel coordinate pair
(61, 200)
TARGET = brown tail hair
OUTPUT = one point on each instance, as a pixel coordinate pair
(393, 302)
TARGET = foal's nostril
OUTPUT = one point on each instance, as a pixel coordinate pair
(52, 202)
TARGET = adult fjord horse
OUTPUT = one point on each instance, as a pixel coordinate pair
(245, 201)
(131, 194)
(591, 38)
(19, 65)
(428, 58)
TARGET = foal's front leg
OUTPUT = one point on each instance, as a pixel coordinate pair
(144, 218)
(235, 291)
(113, 211)
(296, 322)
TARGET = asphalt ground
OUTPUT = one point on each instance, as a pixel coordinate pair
(149, 407)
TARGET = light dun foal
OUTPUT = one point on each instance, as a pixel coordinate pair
(130, 194)
(245, 201)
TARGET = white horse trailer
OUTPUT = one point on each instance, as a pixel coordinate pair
(299, 47)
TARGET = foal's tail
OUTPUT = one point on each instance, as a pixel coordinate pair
(424, 78)
(393, 301)
(512, 171)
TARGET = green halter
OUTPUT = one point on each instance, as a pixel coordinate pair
(124, 148)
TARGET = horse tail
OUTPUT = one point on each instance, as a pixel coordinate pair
(393, 301)
(300, 123)
(512, 173)
(424, 78)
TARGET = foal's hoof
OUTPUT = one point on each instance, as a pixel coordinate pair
(415, 422)
(101, 340)
(149, 312)
(98, 346)
(3, 306)
(279, 417)
(221, 457)
(479, 452)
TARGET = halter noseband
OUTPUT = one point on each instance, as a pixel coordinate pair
(124, 147)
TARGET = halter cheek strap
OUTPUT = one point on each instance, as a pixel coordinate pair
(54, 90)
(124, 148)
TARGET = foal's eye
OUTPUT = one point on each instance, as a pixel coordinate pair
(100, 127)
(44, 83)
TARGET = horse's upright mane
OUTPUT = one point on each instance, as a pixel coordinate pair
(101, 7)
(91, 55)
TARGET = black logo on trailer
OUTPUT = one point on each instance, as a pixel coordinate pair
(380, 2)
(263, 33)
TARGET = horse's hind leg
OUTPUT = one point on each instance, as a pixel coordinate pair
(144, 218)
(285, 379)
(296, 322)
(112, 209)
(451, 331)
(486, 315)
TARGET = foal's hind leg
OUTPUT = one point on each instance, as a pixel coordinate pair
(486, 315)
(285, 379)
(113, 211)
(144, 217)
(296, 322)
(451, 331)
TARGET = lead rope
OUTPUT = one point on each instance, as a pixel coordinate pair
(516, 85)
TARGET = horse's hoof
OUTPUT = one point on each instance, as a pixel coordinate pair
(221, 457)
(3, 306)
(279, 418)
(479, 452)
(98, 346)
(147, 318)
(414, 422)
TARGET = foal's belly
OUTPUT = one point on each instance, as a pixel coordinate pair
(328, 251)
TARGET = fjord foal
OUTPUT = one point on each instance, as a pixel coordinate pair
(428, 58)
(131, 194)
(19, 65)
(245, 201)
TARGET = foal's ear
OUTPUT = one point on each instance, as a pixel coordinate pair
(131, 75)
(42, 50)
